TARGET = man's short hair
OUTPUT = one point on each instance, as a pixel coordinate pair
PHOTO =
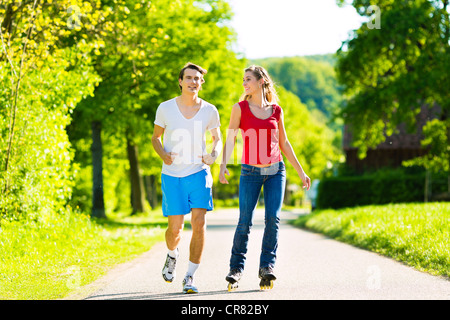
(191, 65)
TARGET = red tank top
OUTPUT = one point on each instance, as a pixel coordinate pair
(260, 136)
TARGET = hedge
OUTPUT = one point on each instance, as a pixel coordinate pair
(376, 188)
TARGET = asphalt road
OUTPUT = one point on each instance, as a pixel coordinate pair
(309, 266)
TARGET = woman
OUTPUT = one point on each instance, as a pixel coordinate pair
(262, 127)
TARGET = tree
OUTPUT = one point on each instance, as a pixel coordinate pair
(389, 73)
(435, 161)
(44, 73)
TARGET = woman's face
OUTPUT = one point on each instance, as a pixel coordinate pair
(250, 83)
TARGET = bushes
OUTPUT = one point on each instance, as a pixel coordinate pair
(381, 187)
(39, 176)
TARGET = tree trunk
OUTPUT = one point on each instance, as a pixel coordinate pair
(448, 185)
(447, 122)
(427, 192)
(150, 190)
(136, 181)
(287, 194)
(446, 119)
(98, 204)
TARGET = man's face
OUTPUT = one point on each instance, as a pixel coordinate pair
(192, 81)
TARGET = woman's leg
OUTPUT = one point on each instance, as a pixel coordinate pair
(274, 187)
(249, 190)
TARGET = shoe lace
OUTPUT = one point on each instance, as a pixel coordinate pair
(171, 265)
(188, 281)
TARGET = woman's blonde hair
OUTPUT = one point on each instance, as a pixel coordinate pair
(269, 92)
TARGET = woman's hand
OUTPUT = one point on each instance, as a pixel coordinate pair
(223, 171)
(306, 180)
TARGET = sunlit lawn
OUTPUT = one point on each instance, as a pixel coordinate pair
(416, 234)
(52, 258)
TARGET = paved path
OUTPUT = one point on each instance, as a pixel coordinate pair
(309, 266)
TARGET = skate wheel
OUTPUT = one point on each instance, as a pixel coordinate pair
(266, 284)
(232, 287)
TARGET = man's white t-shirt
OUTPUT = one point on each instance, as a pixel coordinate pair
(186, 137)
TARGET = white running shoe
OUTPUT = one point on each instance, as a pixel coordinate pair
(168, 271)
(188, 285)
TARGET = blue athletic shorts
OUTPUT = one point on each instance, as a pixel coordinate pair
(180, 195)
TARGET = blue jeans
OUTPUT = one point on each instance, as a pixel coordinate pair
(252, 178)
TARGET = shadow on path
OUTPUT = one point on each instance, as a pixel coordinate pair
(161, 296)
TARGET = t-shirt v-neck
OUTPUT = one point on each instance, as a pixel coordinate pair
(181, 113)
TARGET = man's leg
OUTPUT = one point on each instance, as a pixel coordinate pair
(198, 223)
(173, 237)
(200, 201)
(173, 232)
(196, 248)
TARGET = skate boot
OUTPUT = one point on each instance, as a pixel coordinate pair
(168, 271)
(233, 279)
(188, 285)
(267, 277)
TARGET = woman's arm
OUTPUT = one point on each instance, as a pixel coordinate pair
(287, 150)
(233, 129)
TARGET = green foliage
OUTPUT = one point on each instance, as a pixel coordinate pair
(381, 187)
(43, 76)
(388, 74)
(312, 79)
(436, 160)
(416, 234)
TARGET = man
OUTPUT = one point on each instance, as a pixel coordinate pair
(186, 180)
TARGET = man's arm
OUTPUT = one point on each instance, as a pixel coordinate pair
(217, 146)
(167, 157)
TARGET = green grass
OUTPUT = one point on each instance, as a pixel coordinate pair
(416, 234)
(54, 257)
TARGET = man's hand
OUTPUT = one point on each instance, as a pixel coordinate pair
(209, 158)
(168, 157)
